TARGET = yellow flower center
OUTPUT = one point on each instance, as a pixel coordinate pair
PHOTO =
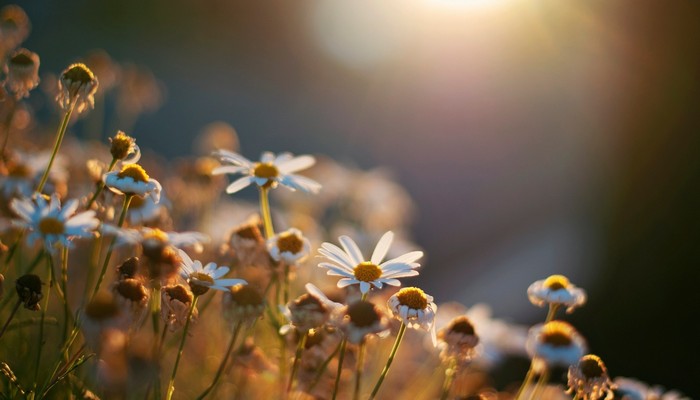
(135, 172)
(244, 295)
(51, 226)
(462, 325)
(557, 333)
(78, 73)
(289, 242)
(202, 277)
(363, 313)
(122, 145)
(156, 234)
(413, 298)
(265, 170)
(557, 282)
(367, 272)
(591, 366)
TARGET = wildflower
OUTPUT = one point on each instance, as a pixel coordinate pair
(77, 85)
(269, 172)
(175, 306)
(633, 389)
(22, 171)
(458, 339)
(123, 145)
(14, 27)
(133, 180)
(201, 279)
(131, 297)
(555, 343)
(351, 265)
(144, 210)
(556, 290)
(29, 291)
(22, 72)
(103, 66)
(289, 246)
(414, 308)
(242, 303)
(310, 310)
(48, 221)
(138, 91)
(362, 318)
(128, 268)
(589, 380)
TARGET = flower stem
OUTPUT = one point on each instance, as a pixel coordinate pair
(100, 185)
(526, 382)
(59, 138)
(64, 284)
(358, 371)
(222, 366)
(265, 210)
(297, 358)
(12, 314)
(155, 319)
(12, 106)
(125, 208)
(323, 367)
(171, 384)
(450, 372)
(341, 357)
(40, 343)
(541, 382)
(553, 308)
(399, 337)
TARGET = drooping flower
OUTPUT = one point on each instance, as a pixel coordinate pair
(589, 379)
(555, 343)
(77, 84)
(14, 27)
(175, 306)
(458, 339)
(133, 180)
(414, 308)
(269, 172)
(46, 219)
(556, 290)
(202, 278)
(242, 303)
(352, 266)
(29, 291)
(22, 72)
(310, 310)
(289, 246)
(361, 318)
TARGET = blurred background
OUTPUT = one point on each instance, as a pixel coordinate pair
(535, 136)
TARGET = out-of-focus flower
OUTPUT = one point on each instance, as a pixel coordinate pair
(154, 240)
(175, 306)
(414, 308)
(310, 310)
(458, 339)
(144, 210)
(361, 318)
(214, 136)
(242, 303)
(555, 343)
(22, 172)
(103, 66)
(77, 84)
(202, 278)
(28, 288)
(14, 27)
(124, 148)
(133, 180)
(22, 72)
(289, 246)
(131, 297)
(589, 380)
(128, 269)
(633, 389)
(138, 92)
(556, 290)
(246, 241)
(53, 224)
(351, 264)
(269, 172)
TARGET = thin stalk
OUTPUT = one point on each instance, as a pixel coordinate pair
(59, 138)
(171, 384)
(541, 383)
(297, 358)
(13, 249)
(358, 371)
(222, 366)
(323, 367)
(553, 308)
(12, 105)
(265, 210)
(450, 372)
(399, 337)
(341, 357)
(528, 380)
(155, 319)
(286, 284)
(64, 284)
(40, 342)
(12, 314)
(122, 217)
(100, 185)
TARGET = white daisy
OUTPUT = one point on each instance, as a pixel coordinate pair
(202, 278)
(289, 246)
(142, 210)
(556, 290)
(555, 343)
(589, 379)
(270, 171)
(46, 219)
(352, 266)
(77, 84)
(133, 180)
(414, 308)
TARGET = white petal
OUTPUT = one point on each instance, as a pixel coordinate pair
(229, 169)
(227, 283)
(346, 282)
(339, 255)
(401, 274)
(302, 183)
(406, 258)
(382, 247)
(296, 164)
(337, 259)
(351, 249)
(364, 287)
(267, 157)
(239, 184)
(233, 158)
(336, 270)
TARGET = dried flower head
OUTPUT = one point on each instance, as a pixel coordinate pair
(589, 380)
(242, 303)
(77, 85)
(123, 147)
(556, 290)
(306, 312)
(175, 306)
(555, 343)
(129, 268)
(132, 298)
(289, 246)
(362, 318)
(14, 27)
(458, 339)
(29, 291)
(414, 308)
(22, 72)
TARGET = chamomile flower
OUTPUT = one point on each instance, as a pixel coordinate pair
(414, 308)
(362, 318)
(202, 278)
(269, 172)
(175, 306)
(351, 265)
(289, 246)
(458, 339)
(22, 72)
(133, 180)
(555, 343)
(589, 379)
(308, 311)
(77, 84)
(556, 290)
(47, 220)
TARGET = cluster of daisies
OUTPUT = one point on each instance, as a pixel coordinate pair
(111, 300)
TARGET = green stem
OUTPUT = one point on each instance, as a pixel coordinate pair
(541, 382)
(59, 138)
(358, 371)
(155, 320)
(286, 284)
(341, 357)
(399, 337)
(12, 314)
(12, 106)
(64, 284)
(122, 217)
(222, 366)
(323, 367)
(450, 372)
(40, 342)
(100, 185)
(553, 308)
(526, 382)
(297, 358)
(171, 384)
(265, 210)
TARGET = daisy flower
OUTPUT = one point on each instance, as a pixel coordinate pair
(589, 379)
(133, 180)
(48, 221)
(414, 308)
(308, 311)
(175, 306)
(555, 343)
(77, 84)
(556, 290)
(458, 339)
(202, 278)
(289, 246)
(352, 266)
(269, 172)
(362, 318)
(22, 72)
(242, 303)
